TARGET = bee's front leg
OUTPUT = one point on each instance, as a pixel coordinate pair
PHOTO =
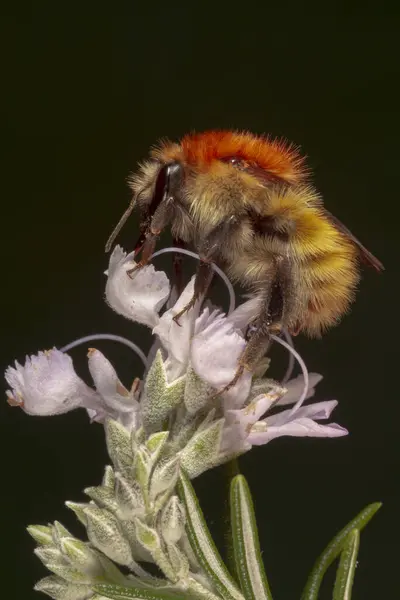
(147, 241)
(159, 213)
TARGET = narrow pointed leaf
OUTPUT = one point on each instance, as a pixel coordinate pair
(119, 446)
(203, 544)
(347, 567)
(246, 546)
(333, 550)
(201, 452)
(132, 593)
(78, 508)
(60, 589)
(41, 534)
(108, 478)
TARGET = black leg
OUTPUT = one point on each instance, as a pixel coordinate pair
(276, 307)
(177, 265)
(208, 252)
(161, 218)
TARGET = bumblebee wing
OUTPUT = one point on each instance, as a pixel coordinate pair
(365, 255)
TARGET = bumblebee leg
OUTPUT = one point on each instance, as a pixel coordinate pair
(275, 307)
(204, 275)
(177, 265)
(208, 252)
(160, 219)
(160, 211)
(257, 346)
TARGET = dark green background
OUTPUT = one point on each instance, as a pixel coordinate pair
(87, 88)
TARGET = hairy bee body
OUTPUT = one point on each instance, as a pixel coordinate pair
(282, 236)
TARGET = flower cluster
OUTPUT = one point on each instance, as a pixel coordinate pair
(169, 422)
(189, 361)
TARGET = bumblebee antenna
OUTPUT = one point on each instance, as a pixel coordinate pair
(120, 224)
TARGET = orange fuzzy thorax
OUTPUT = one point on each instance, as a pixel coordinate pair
(201, 149)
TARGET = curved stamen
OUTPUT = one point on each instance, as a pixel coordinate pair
(228, 284)
(303, 368)
(107, 336)
(290, 366)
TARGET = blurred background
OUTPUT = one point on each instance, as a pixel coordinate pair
(87, 89)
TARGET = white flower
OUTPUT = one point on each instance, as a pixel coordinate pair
(175, 338)
(138, 297)
(47, 385)
(199, 356)
(246, 427)
(215, 352)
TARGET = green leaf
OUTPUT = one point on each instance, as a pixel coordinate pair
(202, 450)
(117, 592)
(60, 589)
(78, 508)
(41, 534)
(104, 532)
(347, 567)
(108, 478)
(203, 545)
(247, 552)
(160, 397)
(103, 497)
(119, 446)
(155, 444)
(333, 550)
(197, 392)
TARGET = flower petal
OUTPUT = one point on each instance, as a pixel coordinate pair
(303, 427)
(47, 385)
(115, 395)
(316, 411)
(245, 313)
(138, 297)
(295, 387)
(216, 349)
(176, 338)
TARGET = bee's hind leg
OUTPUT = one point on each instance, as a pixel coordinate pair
(257, 346)
(275, 307)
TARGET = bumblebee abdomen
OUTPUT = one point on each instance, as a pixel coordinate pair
(330, 281)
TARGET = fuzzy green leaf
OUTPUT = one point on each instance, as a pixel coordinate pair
(201, 452)
(41, 534)
(78, 508)
(160, 397)
(119, 446)
(247, 552)
(60, 589)
(203, 544)
(333, 550)
(347, 567)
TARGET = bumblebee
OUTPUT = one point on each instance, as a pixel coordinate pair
(244, 202)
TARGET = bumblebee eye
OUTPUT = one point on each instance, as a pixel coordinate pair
(234, 161)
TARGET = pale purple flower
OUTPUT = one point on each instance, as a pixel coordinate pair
(176, 338)
(48, 385)
(249, 426)
(207, 342)
(215, 352)
(140, 296)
